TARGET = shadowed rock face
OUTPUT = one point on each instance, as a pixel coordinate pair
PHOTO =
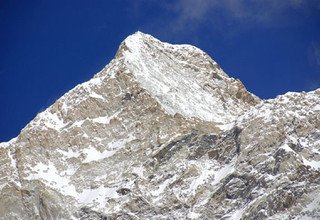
(163, 133)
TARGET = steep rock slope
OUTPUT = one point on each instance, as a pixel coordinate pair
(163, 133)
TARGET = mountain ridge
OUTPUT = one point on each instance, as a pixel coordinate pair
(163, 132)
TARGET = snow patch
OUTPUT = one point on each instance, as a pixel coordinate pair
(99, 196)
(313, 164)
(8, 143)
(95, 95)
(207, 172)
(287, 148)
(105, 119)
(223, 172)
(13, 160)
(94, 155)
(226, 127)
(49, 120)
(237, 214)
(314, 205)
(112, 147)
(316, 108)
(55, 179)
(120, 143)
(194, 215)
(138, 170)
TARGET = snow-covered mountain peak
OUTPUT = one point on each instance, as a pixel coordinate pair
(160, 133)
(184, 79)
(139, 42)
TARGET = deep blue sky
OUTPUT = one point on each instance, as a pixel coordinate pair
(48, 47)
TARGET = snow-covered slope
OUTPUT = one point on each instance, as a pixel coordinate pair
(167, 71)
(163, 133)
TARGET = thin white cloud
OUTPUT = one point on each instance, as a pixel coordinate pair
(189, 15)
(253, 11)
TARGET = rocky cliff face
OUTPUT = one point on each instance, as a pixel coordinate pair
(163, 133)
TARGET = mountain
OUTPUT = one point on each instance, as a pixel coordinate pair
(162, 132)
